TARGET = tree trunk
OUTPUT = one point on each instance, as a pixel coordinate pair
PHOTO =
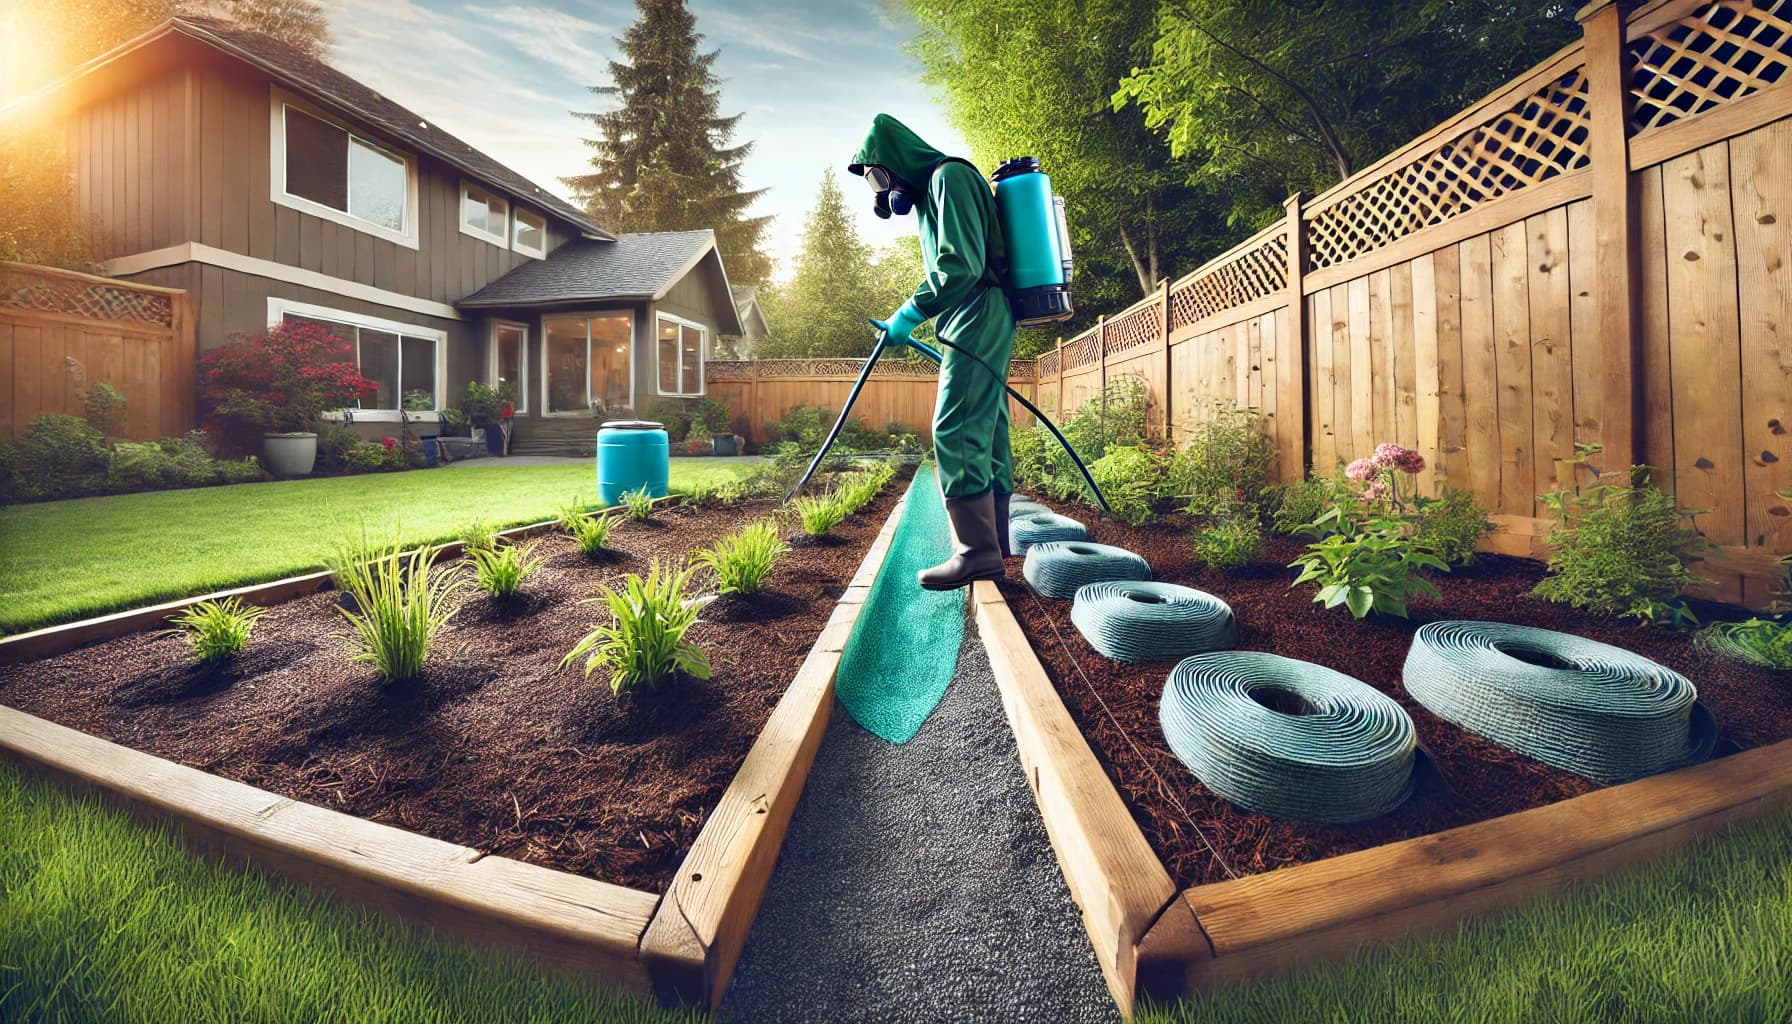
(1139, 269)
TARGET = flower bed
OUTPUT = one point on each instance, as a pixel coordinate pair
(496, 746)
(1116, 705)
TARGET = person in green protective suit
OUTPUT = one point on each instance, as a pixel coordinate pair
(961, 243)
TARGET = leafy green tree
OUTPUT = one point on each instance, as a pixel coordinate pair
(662, 160)
(1266, 99)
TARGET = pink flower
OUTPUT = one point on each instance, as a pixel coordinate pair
(388, 443)
(1360, 470)
(1376, 491)
(1392, 456)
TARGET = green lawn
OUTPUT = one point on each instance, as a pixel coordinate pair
(64, 560)
(104, 919)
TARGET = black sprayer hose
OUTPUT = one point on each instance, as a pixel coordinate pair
(933, 354)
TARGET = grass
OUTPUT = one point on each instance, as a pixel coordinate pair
(1704, 936)
(104, 919)
(64, 560)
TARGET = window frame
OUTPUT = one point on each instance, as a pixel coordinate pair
(517, 213)
(702, 355)
(522, 362)
(279, 308)
(461, 213)
(278, 103)
(587, 316)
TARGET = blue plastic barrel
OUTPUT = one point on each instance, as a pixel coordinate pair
(631, 454)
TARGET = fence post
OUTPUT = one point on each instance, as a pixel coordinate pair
(1058, 381)
(1292, 427)
(1617, 260)
(1101, 354)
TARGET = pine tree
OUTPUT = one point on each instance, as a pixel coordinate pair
(662, 159)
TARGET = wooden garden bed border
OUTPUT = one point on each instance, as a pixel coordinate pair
(681, 945)
(1149, 937)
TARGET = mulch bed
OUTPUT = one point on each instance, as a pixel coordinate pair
(496, 746)
(1468, 779)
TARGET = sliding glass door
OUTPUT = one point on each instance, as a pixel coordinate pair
(587, 364)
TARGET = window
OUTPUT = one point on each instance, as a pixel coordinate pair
(405, 362)
(510, 361)
(588, 364)
(529, 233)
(326, 170)
(680, 353)
(482, 214)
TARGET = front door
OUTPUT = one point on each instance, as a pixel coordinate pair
(588, 364)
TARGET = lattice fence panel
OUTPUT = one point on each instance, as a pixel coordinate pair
(72, 296)
(727, 370)
(1721, 52)
(1541, 136)
(1140, 326)
(1023, 369)
(845, 368)
(1082, 350)
(1048, 364)
(1253, 274)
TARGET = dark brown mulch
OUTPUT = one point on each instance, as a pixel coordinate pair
(1468, 779)
(496, 747)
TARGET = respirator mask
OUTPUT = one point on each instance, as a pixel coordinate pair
(892, 192)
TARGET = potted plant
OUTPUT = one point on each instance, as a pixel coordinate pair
(278, 385)
(717, 423)
(487, 406)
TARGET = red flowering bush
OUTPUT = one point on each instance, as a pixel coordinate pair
(280, 382)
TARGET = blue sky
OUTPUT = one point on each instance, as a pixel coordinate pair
(807, 77)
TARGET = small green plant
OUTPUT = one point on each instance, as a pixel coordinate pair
(1230, 541)
(591, 533)
(1128, 478)
(639, 504)
(478, 535)
(1450, 526)
(1302, 502)
(1763, 642)
(1224, 461)
(819, 513)
(399, 605)
(1365, 566)
(730, 491)
(500, 571)
(218, 630)
(1620, 546)
(742, 560)
(644, 642)
(699, 493)
(574, 510)
(103, 405)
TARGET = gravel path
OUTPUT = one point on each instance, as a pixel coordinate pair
(917, 884)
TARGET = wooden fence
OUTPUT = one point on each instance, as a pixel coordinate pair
(62, 332)
(899, 391)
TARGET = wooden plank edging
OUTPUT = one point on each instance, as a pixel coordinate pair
(697, 933)
(1117, 880)
(561, 920)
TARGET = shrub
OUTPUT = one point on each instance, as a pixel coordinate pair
(1763, 642)
(375, 456)
(590, 532)
(1128, 478)
(482, 405)
(730, 491)
(742, 560)
(1301, 503)
(1226, 461)
(280, 381)
(804, 424)
(499, 570)
(1229, 541)
(218, 630)
(1365, 566)
(638, 503)
(334, 441)
(1618, 546)
(1450, 526)
(715, 416)
(60, 457)
(477, 535)
(104, 408)
(819, 513)
(399, 605)
(644, 642)
(672, 415)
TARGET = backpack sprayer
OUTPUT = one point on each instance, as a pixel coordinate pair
(1035, 271)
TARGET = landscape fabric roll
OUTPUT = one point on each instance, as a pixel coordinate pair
(1058, 568)
(1142, 620)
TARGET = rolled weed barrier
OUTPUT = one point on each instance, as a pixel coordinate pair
(1040, 527)
(1058, 568)
(1139, 620)
(1576, 704)
(1288, 738)
(1021, 507)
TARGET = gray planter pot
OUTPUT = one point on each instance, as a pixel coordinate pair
(289, 455)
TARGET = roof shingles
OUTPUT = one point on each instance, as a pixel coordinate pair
(637, 266)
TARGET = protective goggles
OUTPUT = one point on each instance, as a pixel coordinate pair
(880, 178)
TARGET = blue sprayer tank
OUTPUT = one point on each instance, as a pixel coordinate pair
(1037, 262)
(631, 454)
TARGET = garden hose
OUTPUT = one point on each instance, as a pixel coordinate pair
(1576, 704)
(1058, 568)
(1341, 751)
(1040, 528)
(1138, 620)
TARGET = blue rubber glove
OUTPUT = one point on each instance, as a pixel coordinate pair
(901, 324)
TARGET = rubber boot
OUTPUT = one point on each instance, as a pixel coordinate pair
(1002, 521)
(977, 554)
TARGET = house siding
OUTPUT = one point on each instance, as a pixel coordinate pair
(696, 296)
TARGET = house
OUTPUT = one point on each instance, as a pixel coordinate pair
(273, 186)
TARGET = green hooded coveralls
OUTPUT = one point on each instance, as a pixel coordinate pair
(962, 293)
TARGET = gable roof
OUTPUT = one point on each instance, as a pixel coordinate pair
(323, 84)
(641, 266)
